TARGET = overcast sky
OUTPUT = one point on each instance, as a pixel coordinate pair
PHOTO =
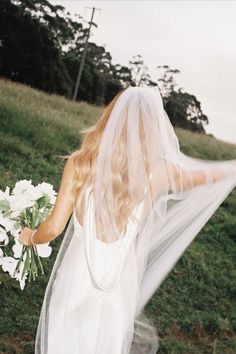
(196, 37)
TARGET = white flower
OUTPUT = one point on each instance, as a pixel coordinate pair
(15, 232)
(4, 195)
(23, 195)
(6, 240)
(1, 256)
(6, 222)
(47, 188)
(17, 248)
(18, 276)
(53, 199)
(9, 225)
(44, 250)
(3, 234)
(9, 265)
(18, 203)
(22, 186)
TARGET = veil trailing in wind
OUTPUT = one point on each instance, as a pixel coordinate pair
(143, 191)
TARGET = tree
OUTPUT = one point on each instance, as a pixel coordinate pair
(183, 109)
(167, 82)
(41, 45)
(29, 52)
(140, 72)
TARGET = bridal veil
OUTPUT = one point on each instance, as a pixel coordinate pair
(143, 189)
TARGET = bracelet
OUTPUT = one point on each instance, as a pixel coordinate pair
(31, 237)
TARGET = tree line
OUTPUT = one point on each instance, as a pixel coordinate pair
(41, 45)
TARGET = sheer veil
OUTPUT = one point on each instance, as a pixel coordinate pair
(145, 191)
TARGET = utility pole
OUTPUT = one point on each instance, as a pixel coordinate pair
(83, 55)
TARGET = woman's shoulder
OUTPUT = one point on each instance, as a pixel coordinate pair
(69, 167)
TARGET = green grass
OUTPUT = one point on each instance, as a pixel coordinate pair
(195, 308)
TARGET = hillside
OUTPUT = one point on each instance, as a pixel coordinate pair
(194, 310)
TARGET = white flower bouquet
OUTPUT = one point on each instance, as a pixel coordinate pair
(26, 206)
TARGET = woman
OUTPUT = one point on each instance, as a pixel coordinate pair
(137, 202)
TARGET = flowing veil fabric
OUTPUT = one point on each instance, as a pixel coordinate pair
(143, 192)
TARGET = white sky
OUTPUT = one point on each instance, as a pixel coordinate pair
(196, 37)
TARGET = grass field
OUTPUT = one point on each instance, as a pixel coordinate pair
(195, 308)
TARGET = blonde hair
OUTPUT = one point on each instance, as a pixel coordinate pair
(85, 158)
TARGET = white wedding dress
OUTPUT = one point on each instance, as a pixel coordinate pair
(82, 318)
(90, 310)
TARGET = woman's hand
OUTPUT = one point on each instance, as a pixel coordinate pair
(25, 236)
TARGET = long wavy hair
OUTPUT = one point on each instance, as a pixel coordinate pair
(85, 158)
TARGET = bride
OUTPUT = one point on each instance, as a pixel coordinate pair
(131, 203)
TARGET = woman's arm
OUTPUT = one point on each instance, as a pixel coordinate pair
(185, 179)
(55, 223)
(169, 176)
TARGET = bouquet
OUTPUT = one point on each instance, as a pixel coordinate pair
(26, 206)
